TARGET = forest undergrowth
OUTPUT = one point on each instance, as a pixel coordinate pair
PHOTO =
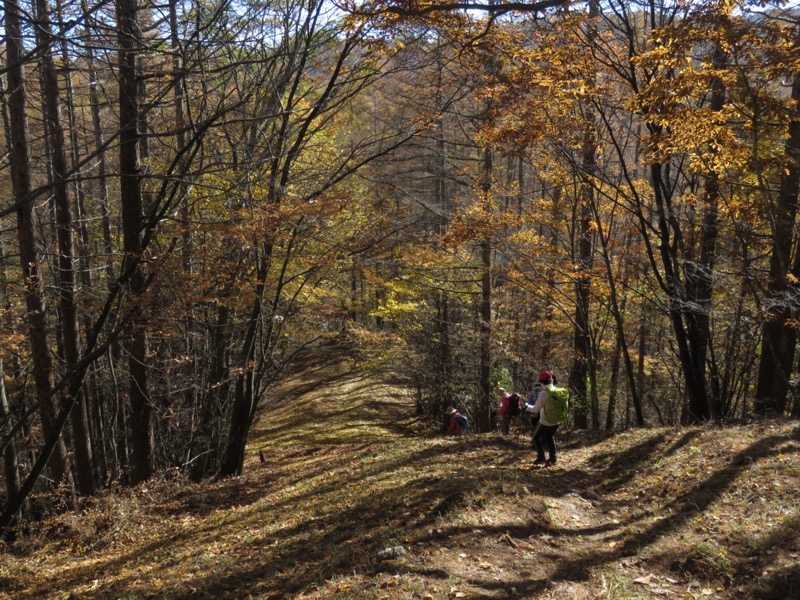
(346, 494)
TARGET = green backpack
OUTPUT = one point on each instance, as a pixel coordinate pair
(557, 409)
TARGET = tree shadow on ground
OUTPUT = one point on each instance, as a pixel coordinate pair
(308, 534)
(292, 556)
(310, 552)
(633, 539)
(700, 496)
(202, 499)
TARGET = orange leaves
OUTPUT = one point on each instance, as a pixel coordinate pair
(475, 223)
(691, 59)
(14, 344)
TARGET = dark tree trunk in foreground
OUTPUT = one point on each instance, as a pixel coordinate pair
(779, 336)
(699, 273)
(10, 463)
(581, 348)
(582, 364)
(131, 199)
(244, 401)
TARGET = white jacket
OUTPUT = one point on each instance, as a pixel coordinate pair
(541, 405)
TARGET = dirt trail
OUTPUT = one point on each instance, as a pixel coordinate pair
(621, 516)
(330, 399)
(339, 469)
(644, 514)
(488, 524)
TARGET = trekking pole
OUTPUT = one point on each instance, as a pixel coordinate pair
(516, 434)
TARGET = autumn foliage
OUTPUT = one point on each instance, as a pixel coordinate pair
(198, 195)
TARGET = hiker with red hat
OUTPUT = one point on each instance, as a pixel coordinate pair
(530, 401)
(544, 432)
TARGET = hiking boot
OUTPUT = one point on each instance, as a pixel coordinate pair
(550, 462)
(539, 461)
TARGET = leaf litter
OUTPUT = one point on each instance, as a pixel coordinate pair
(701, 512)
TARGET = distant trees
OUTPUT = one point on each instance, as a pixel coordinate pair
(648, 140)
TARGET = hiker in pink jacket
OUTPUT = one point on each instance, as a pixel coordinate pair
(503, 412)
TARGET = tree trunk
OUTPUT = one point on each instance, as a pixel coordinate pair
(581, 344)
(443, 305)
(109, 401)
(29, 256)
(244, 401)
(180, 135)
(11, 466)
(699, 274)
(442, 298)
(778, 332)
(695, 380)
(99, 145)
(83, 253)
(204, 455)
(66, 251)
(613, 386)
(579, 373)
(639, 382)
(131, 199)
(617, 309)
(484, 422)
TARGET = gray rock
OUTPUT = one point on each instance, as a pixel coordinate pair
(393, 552)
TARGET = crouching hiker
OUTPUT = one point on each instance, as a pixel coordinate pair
(458, 423)
(551, 405)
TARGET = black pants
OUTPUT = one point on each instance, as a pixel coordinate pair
(545, 436)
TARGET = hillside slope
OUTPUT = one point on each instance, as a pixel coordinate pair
(339, 470)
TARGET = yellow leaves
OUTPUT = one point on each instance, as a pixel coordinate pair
(391, 307)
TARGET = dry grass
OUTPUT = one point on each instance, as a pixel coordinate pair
(682, 513)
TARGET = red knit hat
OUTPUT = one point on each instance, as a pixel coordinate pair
(545, 376)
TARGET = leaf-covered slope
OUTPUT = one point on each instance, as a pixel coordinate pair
(339, 470)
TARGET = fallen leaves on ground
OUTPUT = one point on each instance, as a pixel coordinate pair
(702, 512)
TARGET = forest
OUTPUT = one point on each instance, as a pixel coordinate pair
(197, 194)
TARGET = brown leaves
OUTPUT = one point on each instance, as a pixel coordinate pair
(335, 488)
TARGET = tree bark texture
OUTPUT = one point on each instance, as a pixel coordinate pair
(484, 419)
(131, 199)
(700, 273)
(779, 335)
